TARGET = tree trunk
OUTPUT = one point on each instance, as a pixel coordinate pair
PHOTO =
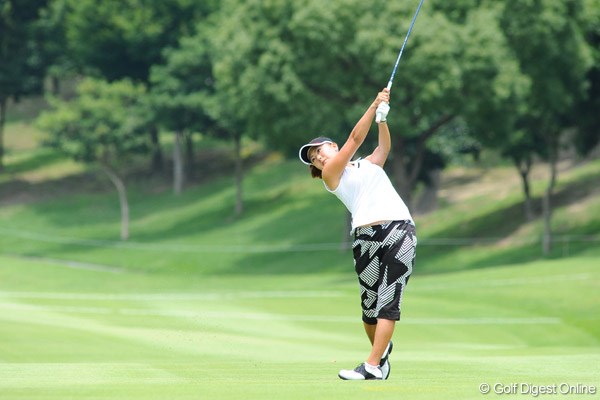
(157, 155)
(428, 200)
(401, 177)
(2, 123)
(120, 186)
(178, 168)
(405, 174)
(189, 154)
(401, 180)
(524, 167)
(547, 204)
(239, 175)
(55, 85)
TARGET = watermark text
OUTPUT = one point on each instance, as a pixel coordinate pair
(533, 390)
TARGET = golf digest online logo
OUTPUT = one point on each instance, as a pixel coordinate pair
(530, 389)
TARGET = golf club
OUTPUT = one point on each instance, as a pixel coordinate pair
(389, 85)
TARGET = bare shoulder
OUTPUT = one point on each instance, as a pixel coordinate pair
(331, 178)
(376, 159)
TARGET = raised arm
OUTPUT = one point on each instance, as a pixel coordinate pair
(332, 172)
(382, 150)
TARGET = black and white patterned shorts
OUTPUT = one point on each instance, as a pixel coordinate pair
(383, 258)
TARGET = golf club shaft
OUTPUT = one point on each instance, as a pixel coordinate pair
(389, 85)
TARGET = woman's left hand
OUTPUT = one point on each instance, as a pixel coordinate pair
(383, 96)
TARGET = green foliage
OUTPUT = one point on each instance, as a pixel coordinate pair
(492, 76)
(21, 67)
(587, 109)
(292, 70)
(261, 78)
(124, 38)
(22, 63)
(181, 85)
(502, 89)
(287, 72)
(284, 71)
(549, 44)
(102, 124)
(454, 142)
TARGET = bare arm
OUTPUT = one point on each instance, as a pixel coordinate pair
(332, 172)
(381, 152)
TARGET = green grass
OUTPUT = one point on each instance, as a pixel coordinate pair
(74, 333)
(200, 304)
(285, 214)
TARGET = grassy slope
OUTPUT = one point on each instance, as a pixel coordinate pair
(172, 313)
(287, 213)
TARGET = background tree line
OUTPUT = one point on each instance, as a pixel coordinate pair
(520, 76)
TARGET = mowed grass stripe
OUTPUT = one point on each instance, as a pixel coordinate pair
(48, 375)
(272, 317)
(170, 296)
(216, 344)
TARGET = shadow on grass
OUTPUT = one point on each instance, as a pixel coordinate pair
(42, 158)
(64, 190)
(281, 220)
(489, 232)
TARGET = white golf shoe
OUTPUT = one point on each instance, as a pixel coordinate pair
(384, 364)
(362, 372)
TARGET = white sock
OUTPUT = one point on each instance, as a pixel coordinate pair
(373, 369)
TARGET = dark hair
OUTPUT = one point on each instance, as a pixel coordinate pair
(315, 172)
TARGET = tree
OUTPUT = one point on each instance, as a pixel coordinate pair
(179, 90)
(118, 39)
(496, 118)
(101, 126)
(548, 41)
(124, 38)
(289, 71)
(588, 135)
(22, 68)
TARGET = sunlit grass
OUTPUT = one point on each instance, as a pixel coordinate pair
(81, 330)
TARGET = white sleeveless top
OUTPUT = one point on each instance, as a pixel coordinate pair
(368, 194)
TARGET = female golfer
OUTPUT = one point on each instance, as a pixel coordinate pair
(384, 231)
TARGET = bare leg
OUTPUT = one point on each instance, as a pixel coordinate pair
(370, 330)
(379, 335)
